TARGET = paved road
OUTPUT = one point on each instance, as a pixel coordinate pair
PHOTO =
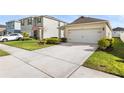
(58, 61)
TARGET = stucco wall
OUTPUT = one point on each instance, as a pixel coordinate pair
(12, 26)
(86, 26)
(62, 31)
(27, 28)
(116, 33)
(108, 31)
(17, 26)
(50, 28)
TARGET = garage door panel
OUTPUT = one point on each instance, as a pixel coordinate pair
(84, 36)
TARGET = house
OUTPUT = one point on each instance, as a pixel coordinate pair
(117, 31)
(13, 27)
(87, 30)
(46, 24)
(2, 30)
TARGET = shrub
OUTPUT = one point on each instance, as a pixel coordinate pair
(52, 40)
(25, 36)
(54, 37)
(42, 42)
(104, 43)
(112, 41)
(63, 39)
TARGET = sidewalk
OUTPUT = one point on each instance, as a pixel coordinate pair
(84, 72)
(37, 64)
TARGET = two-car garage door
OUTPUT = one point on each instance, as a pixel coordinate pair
(84, 36)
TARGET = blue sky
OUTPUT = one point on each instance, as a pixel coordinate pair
(115, 20)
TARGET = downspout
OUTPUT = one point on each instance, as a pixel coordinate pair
(64, 30)
(42, 32)
(59, 30)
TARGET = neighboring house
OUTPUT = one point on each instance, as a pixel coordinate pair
(48, 25)
(13, 27)
(2, 30)
(87, 30)
(117, 31)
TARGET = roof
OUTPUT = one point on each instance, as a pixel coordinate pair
(12, 21)
(2, 26)
(86, 20)
(83, 19)
(50, 17)
(118, 29)
(27, 17)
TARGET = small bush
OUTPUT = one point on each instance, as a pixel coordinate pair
(112, 41)
(53, 40)
(63, 39)
(26, 36)
(54, 37)
(104, 43)
(42, 42)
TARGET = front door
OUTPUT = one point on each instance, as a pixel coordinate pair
(35, 34)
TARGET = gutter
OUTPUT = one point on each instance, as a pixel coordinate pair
(68, 25)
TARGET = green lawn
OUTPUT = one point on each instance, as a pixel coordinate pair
(3, 53)
(111, 62)
(27, 44)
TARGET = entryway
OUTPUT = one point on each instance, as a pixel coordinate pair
(36, 34)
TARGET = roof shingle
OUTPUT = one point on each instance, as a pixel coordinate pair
(83, 19)
(118, 29)
(2, 26)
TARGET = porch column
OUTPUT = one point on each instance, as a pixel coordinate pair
(59, 30)
(59, 33)
(40, 33)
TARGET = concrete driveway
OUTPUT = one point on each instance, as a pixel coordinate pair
(73, 53)
(57, 61)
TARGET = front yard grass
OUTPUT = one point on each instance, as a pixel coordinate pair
(110, 62)
(27, 44)
(3, 53)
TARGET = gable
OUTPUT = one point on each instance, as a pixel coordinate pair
(83, 19)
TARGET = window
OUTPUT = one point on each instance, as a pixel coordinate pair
(59, 24)
(39, 20)
(22, 22)
(29, 21)
(12, 25)
(8, 26)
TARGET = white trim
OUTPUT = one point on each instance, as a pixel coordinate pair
(84, 28)
(106, 22)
